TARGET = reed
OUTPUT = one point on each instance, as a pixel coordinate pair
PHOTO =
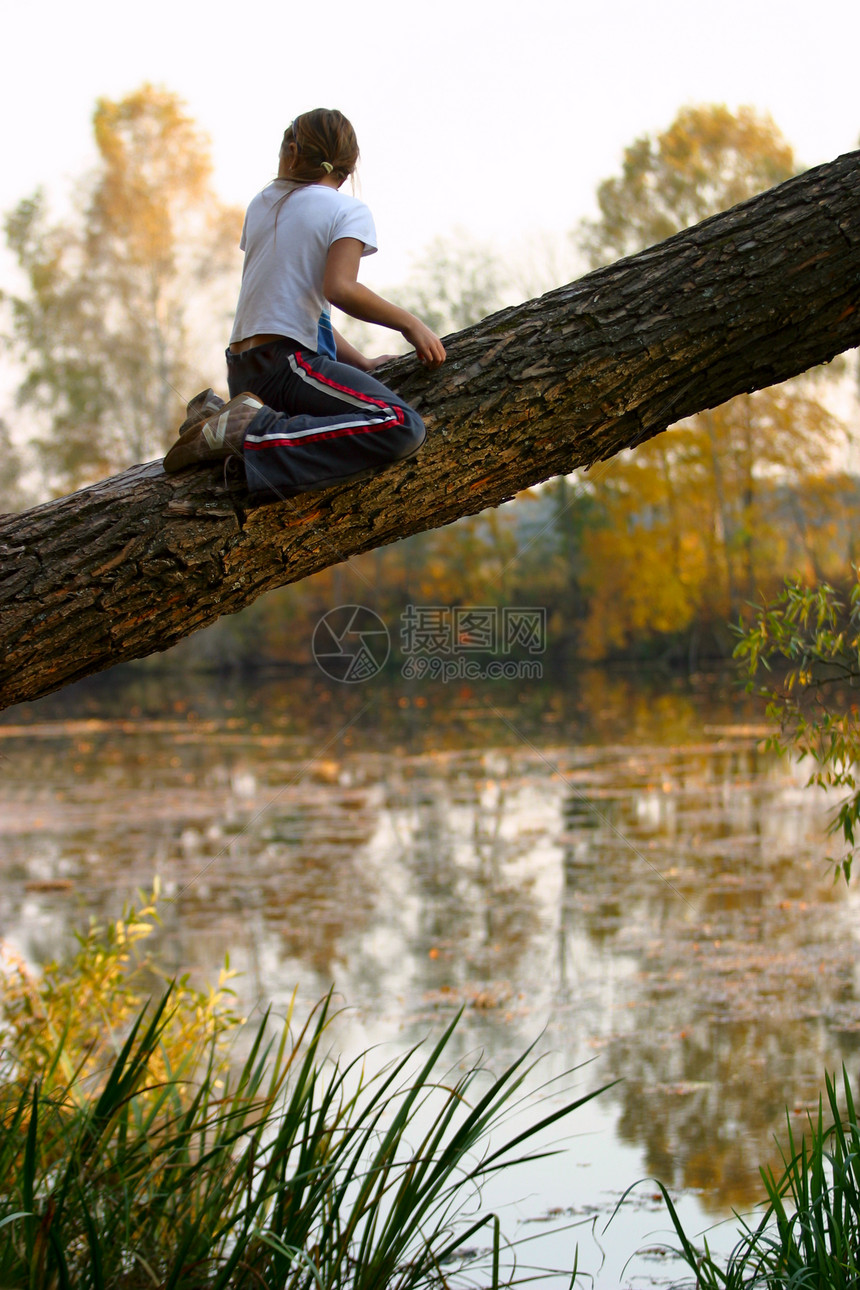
(809, 1232)
(168, 1166)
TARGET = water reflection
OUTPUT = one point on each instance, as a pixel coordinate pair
(614, 861)
(704, 875)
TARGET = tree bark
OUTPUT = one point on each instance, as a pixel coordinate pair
(744, 300)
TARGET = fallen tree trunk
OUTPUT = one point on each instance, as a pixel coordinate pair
(745, 299)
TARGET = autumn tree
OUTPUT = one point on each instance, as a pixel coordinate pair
(706, 161)
(690, 523)
(126, 296)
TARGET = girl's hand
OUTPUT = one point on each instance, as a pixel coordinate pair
(428, 346)
(347, 353)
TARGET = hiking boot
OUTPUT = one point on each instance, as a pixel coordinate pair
(213, 439)
(202, 405)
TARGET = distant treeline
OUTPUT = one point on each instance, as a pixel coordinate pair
(616, 576)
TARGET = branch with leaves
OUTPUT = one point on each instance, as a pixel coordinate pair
(816, 698)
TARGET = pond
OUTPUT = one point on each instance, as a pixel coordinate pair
(610, 865)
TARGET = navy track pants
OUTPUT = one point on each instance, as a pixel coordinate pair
(324, 422)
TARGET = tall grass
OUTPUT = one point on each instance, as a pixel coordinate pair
(809, 1233)
(164, 1167)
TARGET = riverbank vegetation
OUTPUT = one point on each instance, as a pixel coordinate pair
(801, 652)
(808, 1234)
(138, 1150)
(167, 1144)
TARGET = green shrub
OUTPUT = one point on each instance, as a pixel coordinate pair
(810, 636)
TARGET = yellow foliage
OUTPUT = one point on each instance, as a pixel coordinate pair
(71, 1019)
(698, 520)
(706, 161)
(155, 168)
(124, 311)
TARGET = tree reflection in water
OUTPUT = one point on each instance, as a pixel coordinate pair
(613, 860)
(699, 869)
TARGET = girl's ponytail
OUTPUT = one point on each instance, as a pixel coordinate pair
(325, 144)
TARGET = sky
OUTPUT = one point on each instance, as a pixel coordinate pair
(494, 118)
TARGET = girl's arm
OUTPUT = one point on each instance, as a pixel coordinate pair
(347, 353)
(342, 288)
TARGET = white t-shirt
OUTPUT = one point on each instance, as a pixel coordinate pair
(286, 242)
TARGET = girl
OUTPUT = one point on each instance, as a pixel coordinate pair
(304, 412)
